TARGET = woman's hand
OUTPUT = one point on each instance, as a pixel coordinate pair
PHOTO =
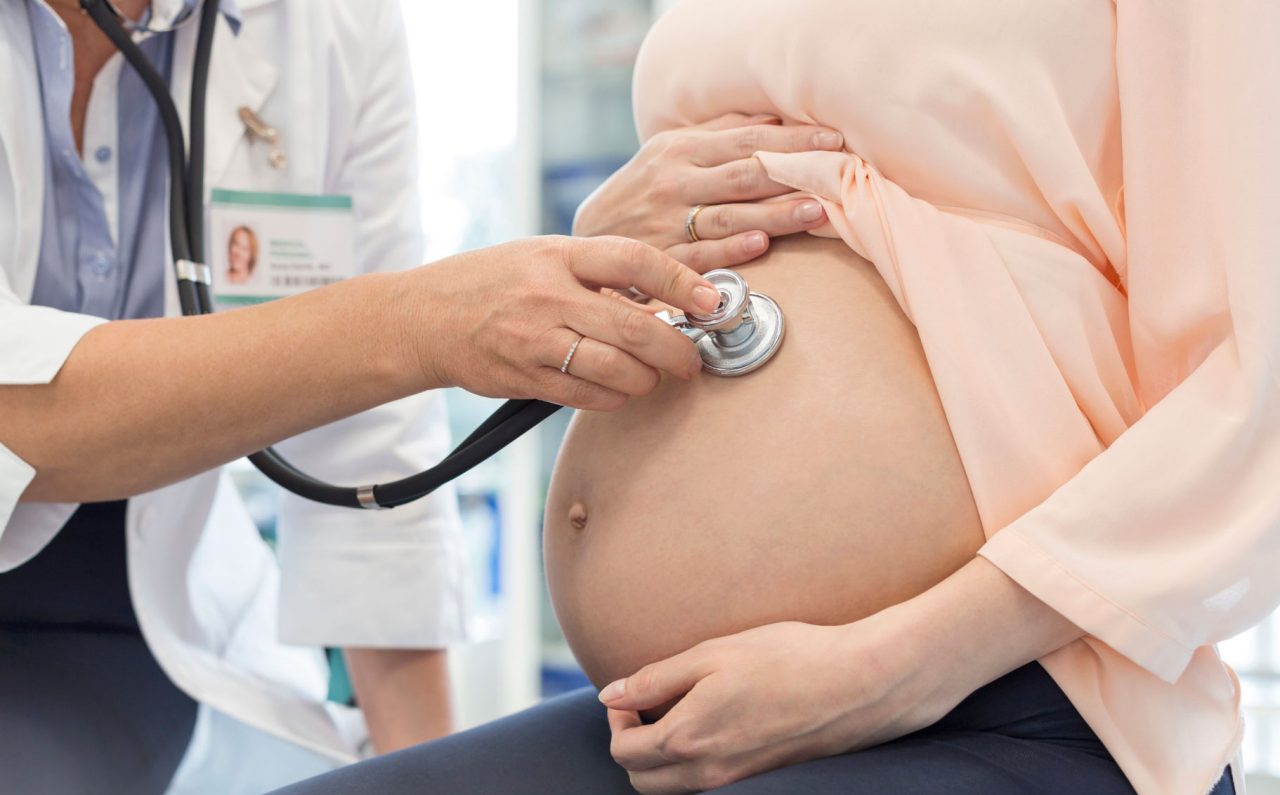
(651, 197)
(502, 321)
(760, 700)
(789, 693)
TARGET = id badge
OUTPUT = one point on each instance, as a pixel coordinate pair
(264, 246)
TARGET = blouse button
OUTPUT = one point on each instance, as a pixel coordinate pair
(100, 264)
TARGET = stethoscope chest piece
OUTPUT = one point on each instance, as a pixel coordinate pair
(744, 332)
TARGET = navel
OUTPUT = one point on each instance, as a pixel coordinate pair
(578, 516)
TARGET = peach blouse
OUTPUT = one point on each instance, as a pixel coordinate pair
(1075, 202)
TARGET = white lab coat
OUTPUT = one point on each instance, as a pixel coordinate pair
(214, 606)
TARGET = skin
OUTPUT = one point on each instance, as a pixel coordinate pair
(239, 253)
(497, 322)
(404, 694)
(711, 164)
(899, 668)
(92, 51)
(844, 497)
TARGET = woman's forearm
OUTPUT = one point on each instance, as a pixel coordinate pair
(969, 630)
(142, 403)
(825, 689)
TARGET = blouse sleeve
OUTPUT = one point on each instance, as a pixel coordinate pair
(1170, 539)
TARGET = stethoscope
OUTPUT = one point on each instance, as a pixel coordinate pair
(740, 336)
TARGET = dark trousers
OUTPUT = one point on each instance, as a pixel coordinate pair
(84, 706)
(1017, 736)
(87, 712)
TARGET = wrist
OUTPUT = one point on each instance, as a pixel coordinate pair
(583, 223)
(962, 634)
(414, 327)
(905, 655)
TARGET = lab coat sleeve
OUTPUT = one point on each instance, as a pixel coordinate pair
(35, 341)
(1170, 539)
(389, 579)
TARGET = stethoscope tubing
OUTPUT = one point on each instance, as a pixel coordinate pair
(186, 232)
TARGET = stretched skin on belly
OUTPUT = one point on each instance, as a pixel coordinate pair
(822, 488)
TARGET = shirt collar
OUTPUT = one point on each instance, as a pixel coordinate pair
(167, 13)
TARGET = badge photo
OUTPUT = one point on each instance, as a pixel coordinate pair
(265, 246)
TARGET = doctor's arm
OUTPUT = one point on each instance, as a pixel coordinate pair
(129, 406)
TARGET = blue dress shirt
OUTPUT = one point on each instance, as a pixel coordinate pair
(85, 266)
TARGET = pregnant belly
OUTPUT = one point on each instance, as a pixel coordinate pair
(822, 488)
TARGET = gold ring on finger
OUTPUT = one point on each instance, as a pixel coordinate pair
(691, 223)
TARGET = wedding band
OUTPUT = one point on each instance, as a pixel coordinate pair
(564, 368)
(690, 223)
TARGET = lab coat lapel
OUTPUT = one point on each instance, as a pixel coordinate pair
(239, 76)
(22, 139)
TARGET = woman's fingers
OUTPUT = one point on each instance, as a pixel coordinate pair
(659, 683)
(731, 121)
(634, 745)
(738, 181)
(707, 255)
(775, 219)
(717, 147)
(734, 234)
(605, 365)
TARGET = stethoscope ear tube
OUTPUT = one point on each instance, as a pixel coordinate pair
(195, 163)
(186, 233)
(510, 422)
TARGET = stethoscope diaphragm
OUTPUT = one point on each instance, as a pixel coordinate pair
(741, 335)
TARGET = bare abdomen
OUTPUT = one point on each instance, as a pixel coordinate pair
(822, 488)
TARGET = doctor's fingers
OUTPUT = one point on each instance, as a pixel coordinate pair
(602, 364)
(717, 147)
(553, 386)
(621, 263)
(637, 332)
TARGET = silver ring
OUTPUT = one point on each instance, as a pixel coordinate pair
(691, 221)
(564, 368)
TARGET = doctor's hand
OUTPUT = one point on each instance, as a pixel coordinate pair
(763, 699)
(504, 321)
(650, 199)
